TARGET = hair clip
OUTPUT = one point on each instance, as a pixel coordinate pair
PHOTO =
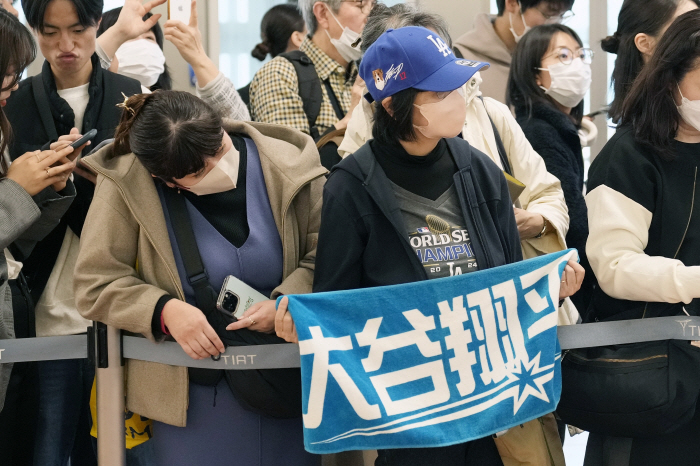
(125, 106)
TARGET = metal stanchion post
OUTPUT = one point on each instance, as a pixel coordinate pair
(111, 444)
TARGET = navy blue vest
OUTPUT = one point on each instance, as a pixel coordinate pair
(258, 262)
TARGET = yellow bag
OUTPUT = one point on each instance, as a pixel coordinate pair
(138, 429)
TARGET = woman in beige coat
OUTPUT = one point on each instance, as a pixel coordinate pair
(253, 195)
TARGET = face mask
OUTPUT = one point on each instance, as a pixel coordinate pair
(569, 82)
(142, 60)
(689, 110)
(512, 30)
(445, 118)
(221, 178)
(348, 46)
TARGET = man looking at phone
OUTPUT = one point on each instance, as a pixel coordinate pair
(71, 96)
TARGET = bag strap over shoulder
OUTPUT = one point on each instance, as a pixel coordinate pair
(499, 144)
(197, 275)
(43, 106)
(309, 87)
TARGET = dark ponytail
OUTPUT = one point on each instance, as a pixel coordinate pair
(16, 53)
(172, 133)
(636, 16)
(276, 28)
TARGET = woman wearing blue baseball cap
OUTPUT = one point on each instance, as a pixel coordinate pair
(385, 205)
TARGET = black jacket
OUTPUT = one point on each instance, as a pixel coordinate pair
(363, 240)
(555, 137)
(38, 115)
(670, 191)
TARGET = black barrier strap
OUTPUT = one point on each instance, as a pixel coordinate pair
(280, 356)
(629, 331)
(43, 349)
(101, 345)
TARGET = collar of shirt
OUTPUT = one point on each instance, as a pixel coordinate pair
(325, 65)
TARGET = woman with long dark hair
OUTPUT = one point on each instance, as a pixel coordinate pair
(34, 193)
(644, 242)
(640, 25)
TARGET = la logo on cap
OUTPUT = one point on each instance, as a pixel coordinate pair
(441, 46)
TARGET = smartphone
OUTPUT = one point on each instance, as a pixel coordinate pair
(600, 111)
(180, 10)
(86, 137)
(236, 297)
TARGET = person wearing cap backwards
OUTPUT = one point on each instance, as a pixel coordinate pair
(415, 178)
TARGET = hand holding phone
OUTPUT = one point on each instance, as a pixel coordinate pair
(236, 297)
(84, 139)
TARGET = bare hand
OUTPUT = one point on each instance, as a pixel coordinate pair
(190, 328)
(529, 224)
(131, 24)
(66, 140)
(284, 323)
(36, 171)
(571, 279)
(259, 317)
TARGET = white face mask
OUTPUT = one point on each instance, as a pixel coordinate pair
(689, 110)
(445, 118)
(142, 60)
(223, 177)
(512, 29)
(348, 46)
(570, 83)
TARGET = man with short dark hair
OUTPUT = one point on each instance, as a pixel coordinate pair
(494, 38)
(71, 96)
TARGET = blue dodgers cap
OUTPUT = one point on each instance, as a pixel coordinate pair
(413, 57)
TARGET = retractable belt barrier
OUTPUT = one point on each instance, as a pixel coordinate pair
(287, 355)
(108, 348)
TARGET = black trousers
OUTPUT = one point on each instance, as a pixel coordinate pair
(481, 452)
(18, 417)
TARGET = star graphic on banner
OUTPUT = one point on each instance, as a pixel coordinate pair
(528, 384)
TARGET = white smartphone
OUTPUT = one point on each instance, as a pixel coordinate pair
(180, 10)
(236, 297)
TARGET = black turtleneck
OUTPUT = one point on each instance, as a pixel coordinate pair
(426, 176)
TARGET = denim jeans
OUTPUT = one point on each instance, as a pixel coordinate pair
(64, 421)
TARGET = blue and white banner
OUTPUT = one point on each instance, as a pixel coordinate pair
(431, 363)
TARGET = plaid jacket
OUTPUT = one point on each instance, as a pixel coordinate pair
(274, 91)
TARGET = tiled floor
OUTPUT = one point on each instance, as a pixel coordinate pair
(575, 449)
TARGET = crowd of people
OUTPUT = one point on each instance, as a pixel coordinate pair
(315, 177)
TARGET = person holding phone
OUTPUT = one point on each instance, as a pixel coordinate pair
(253, 196)
(35, 191)
(69, 97)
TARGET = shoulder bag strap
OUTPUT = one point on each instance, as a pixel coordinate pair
(44, 107)
(499, 144)
(334, 100)
(309, 87)
(197, 275)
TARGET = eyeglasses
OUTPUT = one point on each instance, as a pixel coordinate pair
(556, 18)
(364, 5)
(566, 56)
